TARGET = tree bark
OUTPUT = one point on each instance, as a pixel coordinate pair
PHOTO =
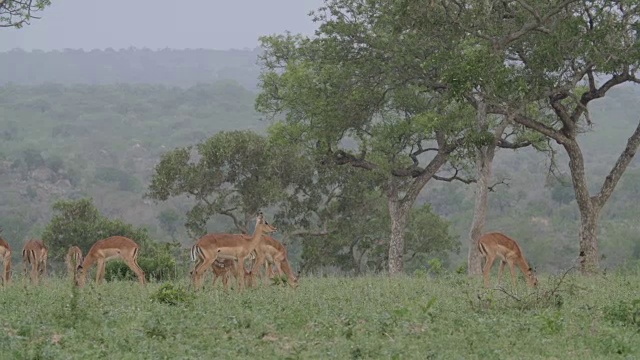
(484, 160)
(588, 211)
(399, 213)
(483, 174)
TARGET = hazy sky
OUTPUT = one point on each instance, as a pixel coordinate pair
(209, 24)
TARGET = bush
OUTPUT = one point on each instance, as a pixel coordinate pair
(156, 260)
(172, 295)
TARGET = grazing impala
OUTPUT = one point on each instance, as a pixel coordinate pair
(73, 259)
(115, 247)
(495, 244)
(5, 257)
(271, 251)
(35, 253)
(226, 246)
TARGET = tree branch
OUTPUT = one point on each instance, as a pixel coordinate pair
(502, 143)
(618, 169)
(236, 222)
(501, 182)
(454, 177)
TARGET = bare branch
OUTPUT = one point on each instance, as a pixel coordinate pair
(454, 177)
(501, 182)
(509, 145)
(618, 169)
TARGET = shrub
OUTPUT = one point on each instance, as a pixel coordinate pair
(172, 295)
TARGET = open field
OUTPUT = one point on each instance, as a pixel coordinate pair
(449, 317)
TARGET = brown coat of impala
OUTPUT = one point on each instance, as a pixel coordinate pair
(73, 259)
(223, 268)
(271, 251)
(35, 253)
(226, 246)
(5, 257)
(493, 245)
(111, 248)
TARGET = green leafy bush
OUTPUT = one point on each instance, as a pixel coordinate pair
(172, 295)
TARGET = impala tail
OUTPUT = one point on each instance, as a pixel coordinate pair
(482, 249)
(196, 252)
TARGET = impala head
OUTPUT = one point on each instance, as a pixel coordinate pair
(79, 276)
(532, 280)
(296, 280)
(266, 227)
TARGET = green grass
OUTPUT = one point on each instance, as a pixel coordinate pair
(450, 317)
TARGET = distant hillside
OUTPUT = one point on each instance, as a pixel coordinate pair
(69, 141)
(137, 66)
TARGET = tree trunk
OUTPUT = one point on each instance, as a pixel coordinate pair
(588, 210)
(589, 261)
(399, 218)
(483, 168)
(484, 163)
(399, 213)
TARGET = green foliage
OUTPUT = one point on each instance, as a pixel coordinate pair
(19, 13)
(623, 312)
(236, 175)
(371, 317)
(172, 295)
(170, 221)
(80, 223)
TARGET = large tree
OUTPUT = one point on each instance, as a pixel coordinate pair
(17, 13)
(560, 55)
(357, 93)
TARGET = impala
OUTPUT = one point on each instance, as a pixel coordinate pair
(495, 244)
(222, 268)
(73, 259)
(271, 251)
(35, 253)
(5, 256)
(227, 246)
(111, 248)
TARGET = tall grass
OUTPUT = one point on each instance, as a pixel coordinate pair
(449, 317)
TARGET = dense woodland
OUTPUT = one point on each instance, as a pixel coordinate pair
(183, 68)
(69, 135)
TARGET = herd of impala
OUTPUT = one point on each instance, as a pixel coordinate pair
(225, 255)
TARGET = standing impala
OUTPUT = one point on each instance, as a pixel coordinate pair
(495, 244)
(5, 256)
(35, 253)
(73, 259)
(226, 246)
(111, 248)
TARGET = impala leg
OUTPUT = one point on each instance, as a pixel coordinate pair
(6, 264)
(196, 275)
(99, 271)
(133, 265)
(487, 269)
(501, 270)
(240, 272)
(512, 268)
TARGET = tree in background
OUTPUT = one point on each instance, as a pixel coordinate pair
(17, 13)
(559, 55)
(231, 174)
(364, 98)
